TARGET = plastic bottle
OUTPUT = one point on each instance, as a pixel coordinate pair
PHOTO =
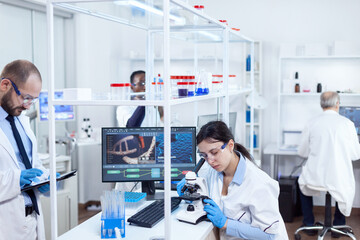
(196, 17)
(255, 140)
(319, 88)
(160, 87)
(248, 114)
(248, 63)
(297, 85)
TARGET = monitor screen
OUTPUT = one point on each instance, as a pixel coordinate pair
(137, 154)
(204, 119)
(62, 112)
(352, 113)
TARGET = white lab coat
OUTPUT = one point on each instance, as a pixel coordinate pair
(330, 142)
(253, 201)
(12, 206)
(123, 113)
(151, 119)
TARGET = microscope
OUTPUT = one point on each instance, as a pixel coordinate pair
(195, 190)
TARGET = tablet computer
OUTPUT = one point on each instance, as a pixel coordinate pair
(41, 183)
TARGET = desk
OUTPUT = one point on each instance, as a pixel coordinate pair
(273, 150)
(90, 229)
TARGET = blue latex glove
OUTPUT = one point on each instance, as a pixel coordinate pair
(27, 175)
(214, 213)
(46, 188)
(179, 186)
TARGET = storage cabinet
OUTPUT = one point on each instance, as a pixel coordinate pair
(183, 23)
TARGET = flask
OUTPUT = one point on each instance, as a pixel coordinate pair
(202, 87)
(319, 88)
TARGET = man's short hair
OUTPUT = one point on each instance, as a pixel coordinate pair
(134, 74)
(19, 71)
(329, 99)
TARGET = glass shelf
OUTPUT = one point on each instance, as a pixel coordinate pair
(333, 57)
(316, 94)
(186, 22)
(151, 102)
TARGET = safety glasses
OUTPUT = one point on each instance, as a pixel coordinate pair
(27, 99)
(213, 153)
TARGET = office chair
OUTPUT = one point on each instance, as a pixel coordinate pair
(327, 226)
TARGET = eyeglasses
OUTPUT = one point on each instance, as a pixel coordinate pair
(140, 84)
(214, 152)
(27, 99)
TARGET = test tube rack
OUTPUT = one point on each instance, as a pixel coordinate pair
(108, 226)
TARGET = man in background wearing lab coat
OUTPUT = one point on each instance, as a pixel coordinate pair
(124, 113)
(330, 143)
(21, 215)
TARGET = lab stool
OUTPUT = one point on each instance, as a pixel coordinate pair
(327, 226)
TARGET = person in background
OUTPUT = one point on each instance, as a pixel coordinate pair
(330, 143)
(21, 214)
(124, 113)
(243, 200)
(130, 116)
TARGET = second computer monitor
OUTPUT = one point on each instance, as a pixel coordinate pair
(137, 154)
(62, 112)
(352, 113)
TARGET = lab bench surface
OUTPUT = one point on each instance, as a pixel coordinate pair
(90, 229)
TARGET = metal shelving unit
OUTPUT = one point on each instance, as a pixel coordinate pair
(171, 19)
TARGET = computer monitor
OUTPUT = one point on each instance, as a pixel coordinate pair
(62, 112)
(352, 113)
(204, 119)
(137, 154)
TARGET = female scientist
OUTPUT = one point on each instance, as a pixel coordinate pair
(244, 199)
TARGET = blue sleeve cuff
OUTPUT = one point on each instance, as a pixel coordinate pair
(246, 231)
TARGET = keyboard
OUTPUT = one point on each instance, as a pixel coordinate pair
(152, 214)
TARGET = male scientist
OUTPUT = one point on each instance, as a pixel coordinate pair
(21, 215)
(130, 116)
(330, 143)
(124, 113)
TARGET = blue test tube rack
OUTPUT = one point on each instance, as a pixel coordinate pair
(108, 226)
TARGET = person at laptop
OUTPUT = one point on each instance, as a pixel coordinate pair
(244, 199)
(21, 215)
(330, 143)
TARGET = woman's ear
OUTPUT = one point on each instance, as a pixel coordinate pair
(231, 145)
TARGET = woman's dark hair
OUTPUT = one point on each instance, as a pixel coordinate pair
(218, 131)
